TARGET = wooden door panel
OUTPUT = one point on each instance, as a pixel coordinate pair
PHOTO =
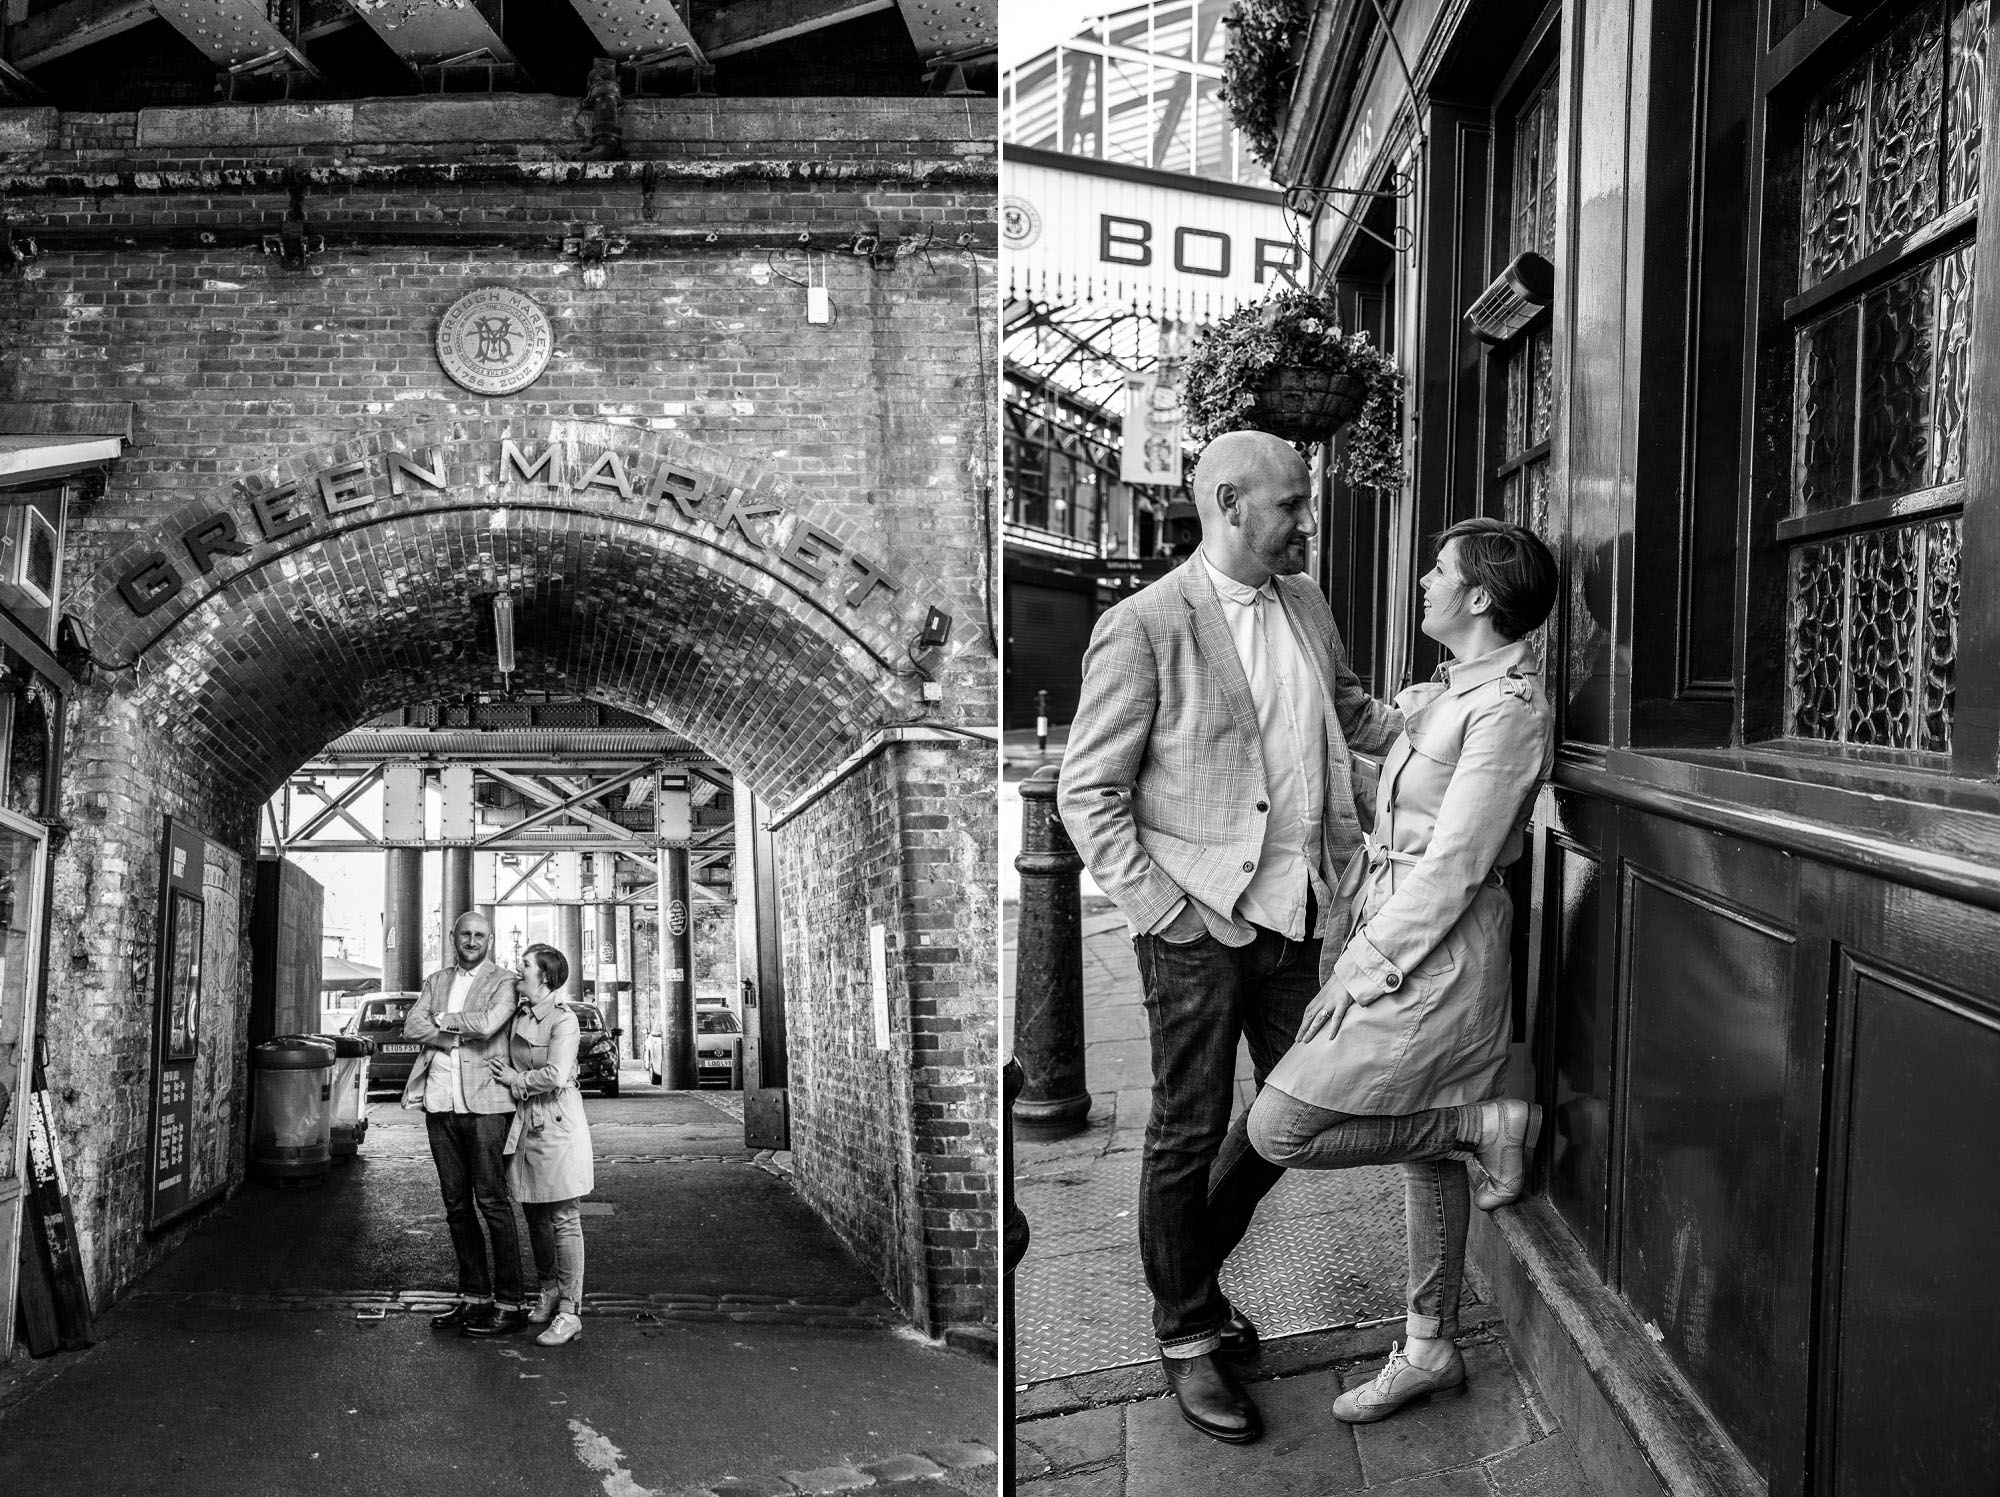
(1707, 974)
(1908, 1357)
(1579, 1045)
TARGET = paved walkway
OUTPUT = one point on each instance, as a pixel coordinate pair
(730, 1345)
(1321, 1273)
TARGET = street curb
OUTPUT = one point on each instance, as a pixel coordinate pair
(977, 1340)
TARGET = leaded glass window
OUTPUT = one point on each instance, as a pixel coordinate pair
(1880, 347)
(1527, 364)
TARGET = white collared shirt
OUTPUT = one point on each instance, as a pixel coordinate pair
(440, 1094)
(1291, 725)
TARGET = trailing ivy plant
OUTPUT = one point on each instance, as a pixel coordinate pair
(1232, 358)
(1258, 71)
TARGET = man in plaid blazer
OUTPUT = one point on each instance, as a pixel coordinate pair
(1208, 787)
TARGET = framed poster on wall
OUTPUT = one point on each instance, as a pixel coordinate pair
(177, 1022)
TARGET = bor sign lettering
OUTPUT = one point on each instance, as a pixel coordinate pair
(1194, 251)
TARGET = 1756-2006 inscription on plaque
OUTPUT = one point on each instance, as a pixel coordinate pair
(495, 340)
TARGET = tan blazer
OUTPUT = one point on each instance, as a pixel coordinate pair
(1429, 964)
(1163, 782)
(468, 1037)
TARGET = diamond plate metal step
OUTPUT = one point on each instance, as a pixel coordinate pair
(1326, 1250)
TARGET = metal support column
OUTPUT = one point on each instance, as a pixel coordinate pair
(607, 936)
(569, 941)
(675, 961)
(403, 920)
(457, 890)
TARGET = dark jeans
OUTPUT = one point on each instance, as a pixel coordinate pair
(1200, 1180)
(472, 1175)
(1436, 1198)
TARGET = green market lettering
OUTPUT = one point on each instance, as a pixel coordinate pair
(693, 494)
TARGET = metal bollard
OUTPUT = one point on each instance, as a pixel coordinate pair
(1042, 723)
(1048, 983)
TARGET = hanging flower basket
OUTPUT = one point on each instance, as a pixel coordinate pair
(1284, 365)
(1304, 404)
(1260, 64)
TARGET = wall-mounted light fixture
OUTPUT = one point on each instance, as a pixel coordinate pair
(590, 247)
(1519, 294)
(936, 630)
(932, 636)
(503, 632)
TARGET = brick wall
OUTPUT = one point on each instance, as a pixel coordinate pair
(245, 376)
(121, 782)
(907, 842)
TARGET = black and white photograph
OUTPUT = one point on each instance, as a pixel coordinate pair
(1501, 865)
(499, 616)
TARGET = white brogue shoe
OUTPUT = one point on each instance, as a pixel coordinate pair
(1507, 1133)
(1398, 1384)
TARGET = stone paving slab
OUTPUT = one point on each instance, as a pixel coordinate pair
(1490, 1418)
(1304, 1452)
(1492, 1442)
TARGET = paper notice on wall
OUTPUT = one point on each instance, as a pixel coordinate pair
(878, 979)
(1152, 447)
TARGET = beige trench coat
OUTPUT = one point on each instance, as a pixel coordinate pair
(548, 1148)
(1428, 961)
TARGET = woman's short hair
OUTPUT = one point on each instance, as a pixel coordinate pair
(1514, 566)
(550, 963)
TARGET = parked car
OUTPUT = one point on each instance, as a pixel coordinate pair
(380, 1018)
(337, 1010)
(718, 1036)
(596, 1050)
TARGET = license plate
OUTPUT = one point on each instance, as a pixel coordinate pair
(397, 1049)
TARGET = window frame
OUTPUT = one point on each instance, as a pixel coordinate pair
(1793, 69)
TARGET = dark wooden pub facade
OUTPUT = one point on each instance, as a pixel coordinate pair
(1758, 419)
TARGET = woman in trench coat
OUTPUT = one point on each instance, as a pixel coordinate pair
(549, 1164)
(1399, 1057)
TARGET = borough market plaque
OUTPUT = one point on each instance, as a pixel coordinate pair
(495, 340)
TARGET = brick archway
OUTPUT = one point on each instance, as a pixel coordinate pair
(700, 591)
(772, 626)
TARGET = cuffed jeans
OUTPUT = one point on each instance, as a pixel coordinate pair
(1199, 1180)
(472, 1176)
(555, 1234)
(1436, 1199)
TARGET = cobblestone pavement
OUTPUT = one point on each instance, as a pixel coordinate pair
(730, 1345)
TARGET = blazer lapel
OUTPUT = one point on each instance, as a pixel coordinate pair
(482, 986)
(1218, 653)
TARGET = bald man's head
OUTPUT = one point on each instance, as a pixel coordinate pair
(471, 938)
(1254, 495)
